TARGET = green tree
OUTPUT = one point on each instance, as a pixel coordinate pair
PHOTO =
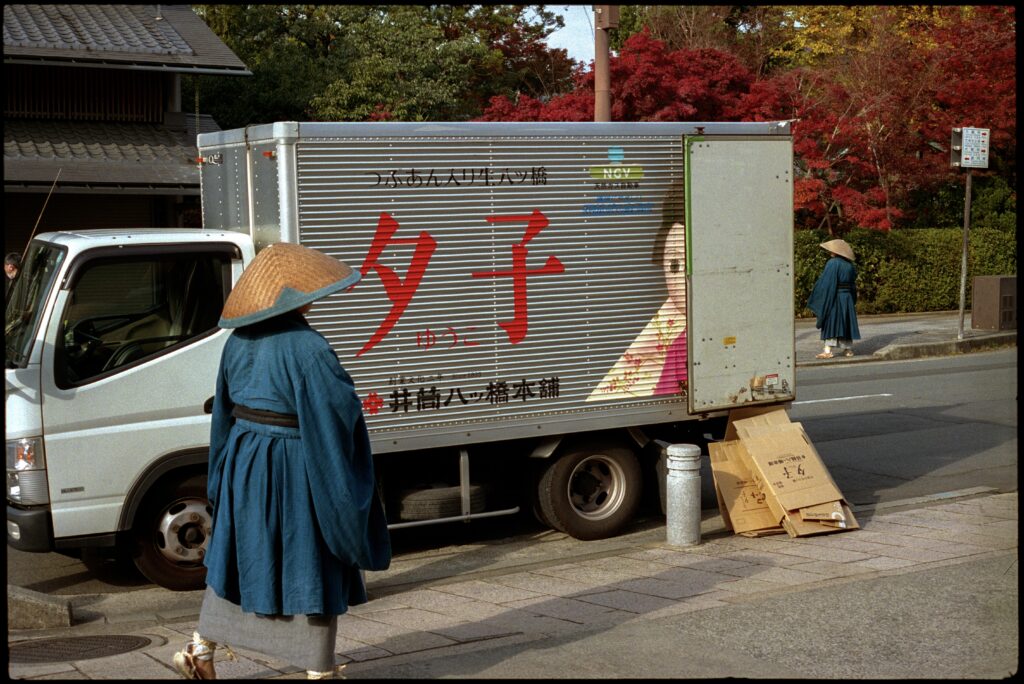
(360, 62)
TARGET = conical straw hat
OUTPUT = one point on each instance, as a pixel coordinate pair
(839, 247)
(282, 278)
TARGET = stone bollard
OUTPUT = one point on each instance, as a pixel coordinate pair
(682, 495)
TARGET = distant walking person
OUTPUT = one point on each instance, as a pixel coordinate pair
(834, 299)
(296, 514)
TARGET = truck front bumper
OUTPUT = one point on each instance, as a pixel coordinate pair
(29, 529)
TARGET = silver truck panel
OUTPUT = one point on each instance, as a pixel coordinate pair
(461, 362)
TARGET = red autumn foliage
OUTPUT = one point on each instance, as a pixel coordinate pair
(869, 130)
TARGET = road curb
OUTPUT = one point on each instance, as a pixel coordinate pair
(27, 609)
(899, 352)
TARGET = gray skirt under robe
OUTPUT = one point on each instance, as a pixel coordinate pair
(306, 641)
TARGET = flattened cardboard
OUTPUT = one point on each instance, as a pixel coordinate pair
(770, 415)
(825, 512)
(788, 469)
(741, 502)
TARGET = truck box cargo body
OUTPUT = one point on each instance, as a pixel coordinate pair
(543, 306)
(508, 268)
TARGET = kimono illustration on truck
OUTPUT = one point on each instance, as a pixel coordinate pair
(655, 363)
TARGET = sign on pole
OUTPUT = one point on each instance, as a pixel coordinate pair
(968, 148)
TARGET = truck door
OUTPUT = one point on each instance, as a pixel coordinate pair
(739, 235)
(131, 355)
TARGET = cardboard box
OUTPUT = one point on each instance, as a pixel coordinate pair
(741, 502)
(787, 469)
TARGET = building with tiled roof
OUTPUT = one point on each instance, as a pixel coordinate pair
(93, 100)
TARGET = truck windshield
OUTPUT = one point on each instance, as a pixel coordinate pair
(26, 299)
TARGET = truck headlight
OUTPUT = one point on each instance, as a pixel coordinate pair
(26, 472)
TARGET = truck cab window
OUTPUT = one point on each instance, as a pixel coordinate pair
(122, 311)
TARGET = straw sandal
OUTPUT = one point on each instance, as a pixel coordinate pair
(848, 352)
(185, 660)
(825, 355)
(198, 649)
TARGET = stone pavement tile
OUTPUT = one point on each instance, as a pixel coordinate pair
(489, 591)
(544, 584)
(830, 569)
(362, 653)
(943, 546)
(584, 573)
(710, 563)
(696, 581)
(389, 637)
(473, 610)
(629, 565)
(714, 599)
(427, 599)
(918, 518)
(663, 588)
(884, 563)
(985, 506)
(414, 619)
(571, 610)
(766, 557)
(375, 604)
(823, 552)
(40, 670)
(526, 621)
(127, 666)
(892, 551)
(74, 674)
(749, 585)
(628, 601)
(457, 629)
(1000, 542)
(787, 576)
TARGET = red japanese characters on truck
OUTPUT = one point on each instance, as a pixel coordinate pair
(400, 291)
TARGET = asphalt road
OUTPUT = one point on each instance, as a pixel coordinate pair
(888, 431)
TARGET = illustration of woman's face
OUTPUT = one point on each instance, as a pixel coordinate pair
(674, 264)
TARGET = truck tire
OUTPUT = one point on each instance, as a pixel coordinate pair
(591, 492)
(171, 534)
(439, 502)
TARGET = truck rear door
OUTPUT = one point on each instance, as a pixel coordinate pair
(739, 234)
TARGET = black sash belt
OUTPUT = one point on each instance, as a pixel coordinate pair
(844, 287)
(265, 417)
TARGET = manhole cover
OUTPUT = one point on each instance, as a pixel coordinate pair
(74, 648)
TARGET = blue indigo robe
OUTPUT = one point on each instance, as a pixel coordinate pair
(296, 514)
(833, 300)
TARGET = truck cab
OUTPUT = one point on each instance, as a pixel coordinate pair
(106, 434)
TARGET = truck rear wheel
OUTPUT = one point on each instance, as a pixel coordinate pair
(172, 533)
(592, 491)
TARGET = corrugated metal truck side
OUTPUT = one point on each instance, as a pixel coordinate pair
(562, 291)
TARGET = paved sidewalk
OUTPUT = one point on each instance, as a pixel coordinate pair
(639, 608)
(896, 337)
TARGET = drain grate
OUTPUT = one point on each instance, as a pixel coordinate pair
(74, 648)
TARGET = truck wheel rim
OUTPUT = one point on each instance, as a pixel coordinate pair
(597, 487)
(184, 532)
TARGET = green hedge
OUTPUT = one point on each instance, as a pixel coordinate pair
(907, 271)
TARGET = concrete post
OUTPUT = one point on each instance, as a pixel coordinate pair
(682, 495)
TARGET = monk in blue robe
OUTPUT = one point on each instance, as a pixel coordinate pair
(833, 300)
(296, 513)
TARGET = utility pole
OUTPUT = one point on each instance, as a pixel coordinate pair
(606, 17)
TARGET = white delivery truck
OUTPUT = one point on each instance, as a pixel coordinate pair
(541, 305)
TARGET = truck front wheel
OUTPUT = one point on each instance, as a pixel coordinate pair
(171, 535)
(591, 492)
